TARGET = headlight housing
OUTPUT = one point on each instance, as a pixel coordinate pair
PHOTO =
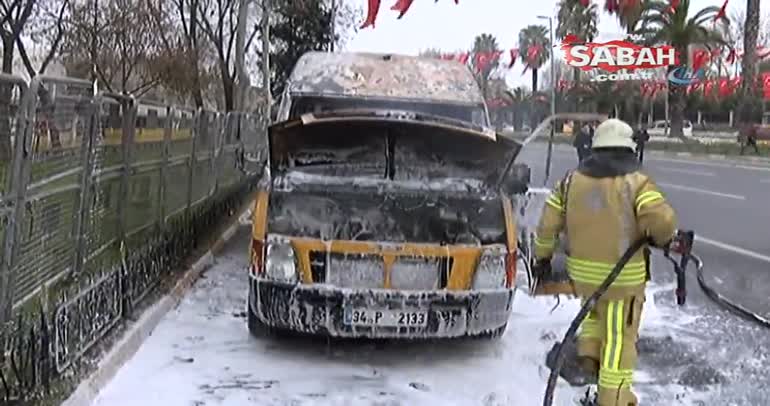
(491, 270)
(280, 260)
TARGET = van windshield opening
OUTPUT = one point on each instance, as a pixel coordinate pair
(466, 112)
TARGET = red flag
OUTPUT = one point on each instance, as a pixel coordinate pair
(724, 88)
(402, 6)
(514, 54)
(371, 14)
(532, 53)
(481, 60)
(571, 39)
(585, 3)
(674, 4)
(766, 85)
(731, 56)
(699, 59)
(611, 6)
(722, 11)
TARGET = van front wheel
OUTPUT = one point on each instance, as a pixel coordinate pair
(257, 328)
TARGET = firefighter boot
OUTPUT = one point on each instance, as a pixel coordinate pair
(576, 370)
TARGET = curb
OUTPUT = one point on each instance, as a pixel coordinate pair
(135, 335)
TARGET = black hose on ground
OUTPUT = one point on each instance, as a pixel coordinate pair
(587, 307)
(725, 302)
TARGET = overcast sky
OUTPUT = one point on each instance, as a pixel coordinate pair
(451, 27)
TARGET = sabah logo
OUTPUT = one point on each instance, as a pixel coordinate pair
(685, 76)
(613, 56)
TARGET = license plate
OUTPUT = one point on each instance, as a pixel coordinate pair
(385, 318)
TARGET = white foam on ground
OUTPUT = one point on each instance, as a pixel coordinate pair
(202, 354)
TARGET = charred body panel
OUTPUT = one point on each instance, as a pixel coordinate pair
(333, 213)
(319, 310)
(363, 75)
(397, 146)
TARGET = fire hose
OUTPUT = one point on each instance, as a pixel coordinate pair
(681, 244)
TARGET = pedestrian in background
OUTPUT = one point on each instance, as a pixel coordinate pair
(751, 139)
(582, 142)
(641, 136)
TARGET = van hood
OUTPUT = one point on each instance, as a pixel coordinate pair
(388, 148)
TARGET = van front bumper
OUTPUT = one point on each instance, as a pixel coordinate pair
(320, 310)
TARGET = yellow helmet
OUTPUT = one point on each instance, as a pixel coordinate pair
(614, 133)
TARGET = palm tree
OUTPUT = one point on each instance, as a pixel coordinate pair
(576, 19)
(535, 38)
(629, 12)
(661, 25)
(484, 44)
(518, 98)
(602, 95)
(749, 65)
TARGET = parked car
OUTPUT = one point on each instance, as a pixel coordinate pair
(388, 210)
(661, 129)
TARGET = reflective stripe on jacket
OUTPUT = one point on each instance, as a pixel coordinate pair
(603, 207)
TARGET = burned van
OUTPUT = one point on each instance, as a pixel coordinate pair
(379, 221)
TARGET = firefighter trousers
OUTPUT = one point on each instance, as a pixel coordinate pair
(608, 336)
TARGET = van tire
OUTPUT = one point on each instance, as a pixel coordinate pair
(257, 328)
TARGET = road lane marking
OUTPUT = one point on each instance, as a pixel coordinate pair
(704, 191)
(687, 171)
(714, 164)
(696, 160)
(733, 248)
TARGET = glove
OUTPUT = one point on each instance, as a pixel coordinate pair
(677, 246)
(542, 268)
(674, 245)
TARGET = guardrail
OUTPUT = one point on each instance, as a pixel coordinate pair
(101, 197)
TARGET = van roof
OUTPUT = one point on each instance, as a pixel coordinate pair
(387, 76)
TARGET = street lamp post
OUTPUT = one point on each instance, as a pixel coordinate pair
(553, 101)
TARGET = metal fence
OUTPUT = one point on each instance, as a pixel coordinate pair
(101, 197)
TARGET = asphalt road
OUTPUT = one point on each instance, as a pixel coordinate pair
(726, 203)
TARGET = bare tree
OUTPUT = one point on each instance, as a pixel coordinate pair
(126, 50)
(43, 21)
(218, 20)
(182, 48)
(15, 15)
(46, 28)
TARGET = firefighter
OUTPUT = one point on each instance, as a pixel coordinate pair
(602, 207)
